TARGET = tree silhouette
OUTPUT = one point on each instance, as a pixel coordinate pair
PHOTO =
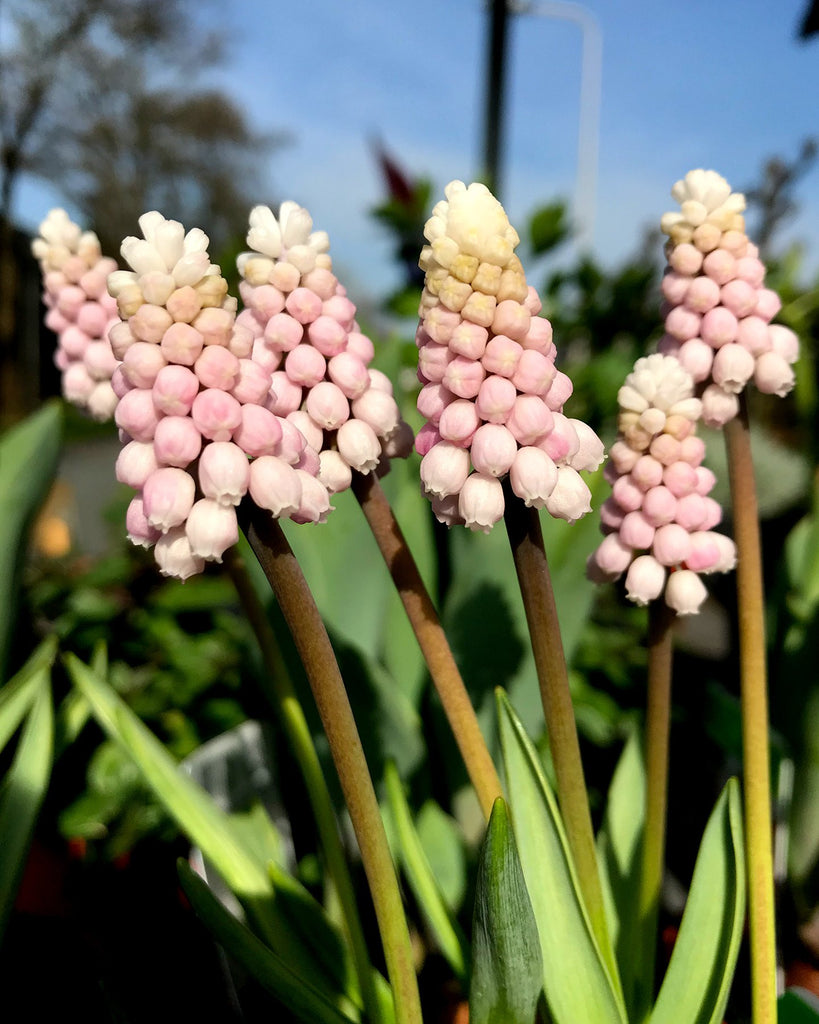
(102, 99)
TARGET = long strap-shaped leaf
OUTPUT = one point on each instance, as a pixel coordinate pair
(619, 853)
(507, 970)
(23, 791)
(410, 854)
(576, 982)
(18, 693)
(29, 452)
(696, 985)
(303, 1001)
(209, 828)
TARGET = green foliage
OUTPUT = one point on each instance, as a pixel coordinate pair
(507, 970)
(793, 1008)
(28, 460)
(23, 789)
(619, 850)
(291, 992)
(548, 227)
(603, 321)
(409, 853)
(696, 985)
(796, 707)
(282, 913)
(484, 602)
(578, 983)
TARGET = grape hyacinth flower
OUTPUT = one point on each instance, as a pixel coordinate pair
(80, 311)
(306, 336)
(659, 519)
(718, 311)
(492, 395)
(193, 407)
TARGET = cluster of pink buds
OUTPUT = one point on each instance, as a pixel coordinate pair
(492, 396)
(194, 409)
(80, 311)
(659, 519)
(717, 311)
(305, 335)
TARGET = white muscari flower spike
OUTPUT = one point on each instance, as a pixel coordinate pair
(164, 249)
(705, 197)
(273, 237)
(660, 382)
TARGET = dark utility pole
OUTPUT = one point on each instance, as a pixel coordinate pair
(495, 81)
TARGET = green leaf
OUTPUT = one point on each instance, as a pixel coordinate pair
(18, 693)
(798, 1006)
(443, 842)
(28, 461)
(619, 850)
(549, 227)
(271, 912)
(576, 980)
(303, 1001)
(412, 858)
(484, 600)
(341, 563)
(696, 985)
(507, 969)
(24, 789)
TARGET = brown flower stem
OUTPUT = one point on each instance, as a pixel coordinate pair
(658, 723)
(526, 541)
(284, 574)
(753, 681)
(279, 690)
(431, 638)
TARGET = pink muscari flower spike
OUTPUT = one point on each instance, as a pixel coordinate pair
(80, 311)
(734, 263)
(192, 402)
(719, 312)
(476, 308)
(664, 503)
(306, 329)
(487, 361)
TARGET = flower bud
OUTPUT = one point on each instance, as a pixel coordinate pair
(174, 556)
(645, 580)
(168, 497)
(481, 502)
(211, 528)
(571, 498)
(224, 472)
(533, 476)
(685, 592)
(444, 469)
(358, 445)
(275, 485)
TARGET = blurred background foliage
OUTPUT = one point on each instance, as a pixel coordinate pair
(184, 657)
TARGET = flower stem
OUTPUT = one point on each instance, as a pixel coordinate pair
(756, 758)
(302, 616)
(431, 638)
(658, 721)
(279, 690)
(526, 541)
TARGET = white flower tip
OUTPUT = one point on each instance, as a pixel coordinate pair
(703, 196)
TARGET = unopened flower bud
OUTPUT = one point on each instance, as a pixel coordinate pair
(685, 592)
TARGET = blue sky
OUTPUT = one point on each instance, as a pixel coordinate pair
(685, 83)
